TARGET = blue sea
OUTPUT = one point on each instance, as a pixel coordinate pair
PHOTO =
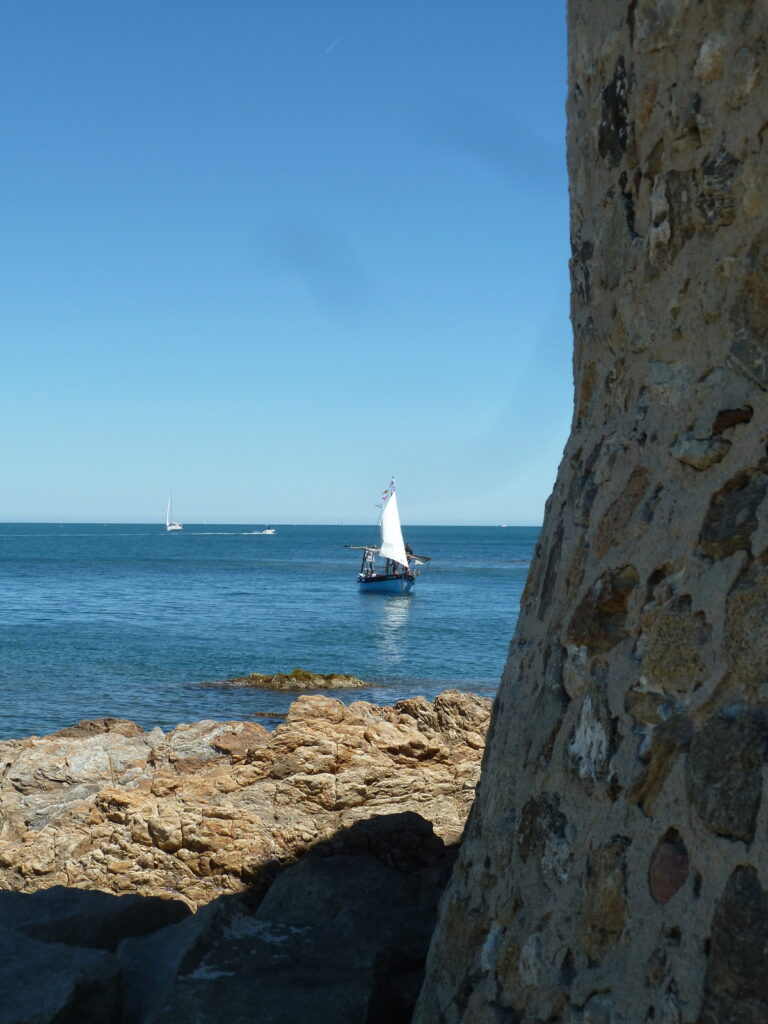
(128, 620)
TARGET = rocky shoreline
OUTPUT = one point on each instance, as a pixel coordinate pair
(272, 853)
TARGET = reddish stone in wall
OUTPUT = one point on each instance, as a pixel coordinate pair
(669, 867)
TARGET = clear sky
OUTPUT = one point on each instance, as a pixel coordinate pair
(268, 253)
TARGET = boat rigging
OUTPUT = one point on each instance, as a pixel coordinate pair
(401, 566)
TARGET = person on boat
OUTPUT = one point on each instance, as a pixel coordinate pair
(369, 562)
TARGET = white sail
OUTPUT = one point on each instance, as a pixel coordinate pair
(392, 545)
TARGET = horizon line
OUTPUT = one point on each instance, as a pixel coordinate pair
(274, 523)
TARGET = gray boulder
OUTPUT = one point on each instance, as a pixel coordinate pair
(44, 982)
(80, 917)
(340, 936)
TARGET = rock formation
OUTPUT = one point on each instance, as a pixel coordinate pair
(614, 867)
(331, 839)
(342, 935)
(216, 807)
(297, 679)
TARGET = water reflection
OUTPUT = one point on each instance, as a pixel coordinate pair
(390, 637)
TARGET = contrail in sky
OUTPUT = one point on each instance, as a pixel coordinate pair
(329, 48)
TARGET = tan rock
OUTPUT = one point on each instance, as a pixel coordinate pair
(204, 809)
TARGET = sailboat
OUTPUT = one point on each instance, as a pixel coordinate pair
(401, 566)
(267, 529)
(169, 523)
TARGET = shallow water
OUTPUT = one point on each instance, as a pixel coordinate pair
(129, 620)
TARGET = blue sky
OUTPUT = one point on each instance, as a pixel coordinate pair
(268, 254)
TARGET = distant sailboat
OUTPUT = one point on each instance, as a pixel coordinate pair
(267, 529)
(169, 523)
(401, 566)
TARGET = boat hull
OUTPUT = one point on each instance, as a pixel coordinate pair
(386, 585)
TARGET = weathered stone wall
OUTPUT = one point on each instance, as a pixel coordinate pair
(615, 863)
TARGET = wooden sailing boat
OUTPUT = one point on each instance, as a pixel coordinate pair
(400, 566)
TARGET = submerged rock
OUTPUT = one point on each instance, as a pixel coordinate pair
(297, 679)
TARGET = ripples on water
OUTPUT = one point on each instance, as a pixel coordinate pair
(128, 620)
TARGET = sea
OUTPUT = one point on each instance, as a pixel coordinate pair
(131, 621)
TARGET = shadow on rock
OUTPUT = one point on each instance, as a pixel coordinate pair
(340, 935)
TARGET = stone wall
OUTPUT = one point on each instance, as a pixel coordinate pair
(615, 863)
